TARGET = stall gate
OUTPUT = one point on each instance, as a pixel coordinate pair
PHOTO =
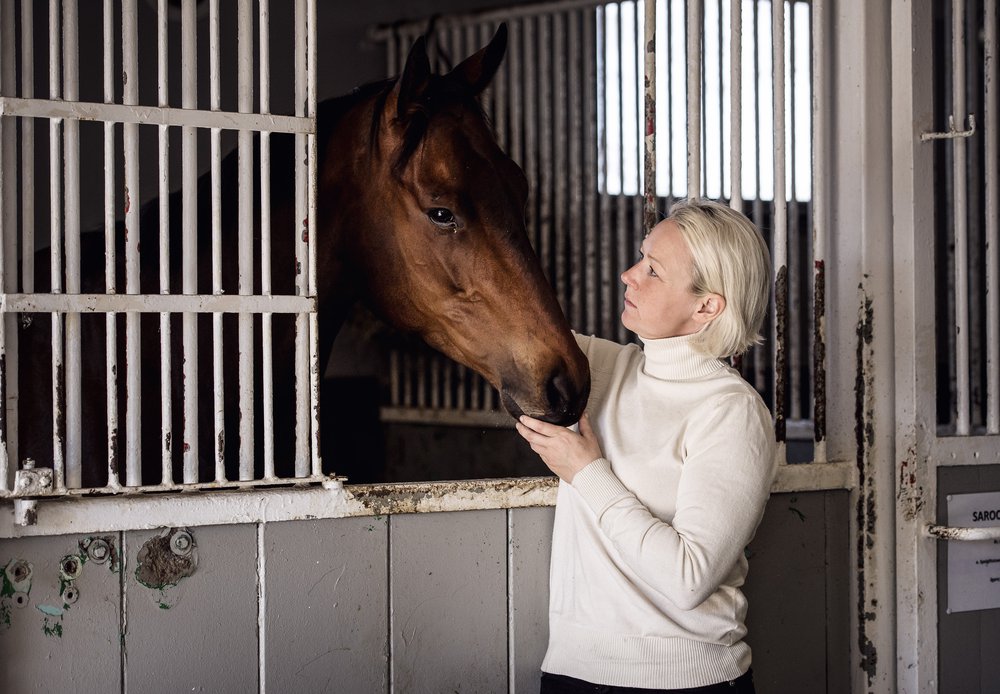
(442, 587)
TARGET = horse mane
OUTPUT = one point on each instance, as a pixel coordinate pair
(438, 93)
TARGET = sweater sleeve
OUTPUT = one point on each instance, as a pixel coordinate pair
(725, 482)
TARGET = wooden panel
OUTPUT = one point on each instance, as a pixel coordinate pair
(47, 645)
(327, 605)
(530, 546)
(967, 641)
(787, 593)
(200, 634)
(448, 593)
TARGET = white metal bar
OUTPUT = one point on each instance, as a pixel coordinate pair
(302, 429)
(162, 100)
(267, 359)
(71, 164)
(110, 251)
(780, 223)
(55, 253)
(156, 303)
(961, 234)
(694, 60)
(245, 243)
(943, 532)
(150, 115)
(133, 387)
(312, 229)
(189, 241)
(818, 57)
(27, 147)
(215, 103)
(736, 105)
(8, 229)
(992, 185)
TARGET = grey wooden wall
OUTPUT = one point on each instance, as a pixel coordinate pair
(432, 602)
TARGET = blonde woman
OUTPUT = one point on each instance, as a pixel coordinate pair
(666, 481)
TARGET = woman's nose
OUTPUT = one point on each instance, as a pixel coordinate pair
(627, 278)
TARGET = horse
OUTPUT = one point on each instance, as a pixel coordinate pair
(420, 216)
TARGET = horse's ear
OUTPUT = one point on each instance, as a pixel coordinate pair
(415, 76)
(478, 69)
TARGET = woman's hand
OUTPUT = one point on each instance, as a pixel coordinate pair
(564, 451)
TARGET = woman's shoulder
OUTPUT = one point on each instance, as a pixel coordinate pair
(600, 350)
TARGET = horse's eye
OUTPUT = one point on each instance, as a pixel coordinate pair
(443, 217)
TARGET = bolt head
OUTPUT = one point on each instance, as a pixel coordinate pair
(181, 543)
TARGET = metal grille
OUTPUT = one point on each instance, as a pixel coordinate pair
(567, 105)
(966, 217)
(134, 124)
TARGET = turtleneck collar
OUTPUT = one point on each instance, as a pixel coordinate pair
(677, 359)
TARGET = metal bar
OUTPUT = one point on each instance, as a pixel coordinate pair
(55, 257)
(546, 137)
(316, 368)
(761, 360)
(110, 252)
(608, 279)
(943, 532)
(162, 99)
(795, 242)
(624, 251)
(575, 207)
(71, 169)
(189, 239)
(819, 222)
(302, 429)
(780, 225)
(27, 153)
(559, 158)
(960, 220)
(267, 358)
(218, 339)
(156, 303)
(246, 270)
(736, 105)
(591, 155)
(992, 185)
(150, 115)
(8, 232)
(649, 151)
(694, 60)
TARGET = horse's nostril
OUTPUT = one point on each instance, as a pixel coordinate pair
(558, 391)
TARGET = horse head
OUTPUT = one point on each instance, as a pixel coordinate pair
(436, 230)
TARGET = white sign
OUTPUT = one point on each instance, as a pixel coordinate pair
(973, 566)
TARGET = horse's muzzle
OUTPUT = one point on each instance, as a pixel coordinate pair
(560, 399)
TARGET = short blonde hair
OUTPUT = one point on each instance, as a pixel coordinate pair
(730, 258)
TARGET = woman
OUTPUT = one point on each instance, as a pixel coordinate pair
(666, 481)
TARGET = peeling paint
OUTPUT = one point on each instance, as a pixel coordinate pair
(160, 566)
(819, 351)
(909, 494)
(780, 327)
(441, 496)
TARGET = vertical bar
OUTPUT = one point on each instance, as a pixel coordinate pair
(559, 156)
(133, 384)
(607, 274)
(189, 238)
(546, 138)
(162, 99)
(302, 429)
(992, 174)
(245, 150)
(110, 252)
(960, 221)
(736, 105)
(71, 163)
(649, 153)
(577, 144)
(819, 220)
(315, 366)
(56, 220)
(8, 232)
(780, 240)
(218, 340)
(267, 361)
(590, 159)
(621, 233)
(762, 360)
(694, 59)
(795, 240)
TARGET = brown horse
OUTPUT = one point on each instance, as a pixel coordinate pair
(420, 215)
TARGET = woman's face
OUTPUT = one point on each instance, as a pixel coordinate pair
(658, 297)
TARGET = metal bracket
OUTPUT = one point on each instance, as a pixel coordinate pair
(951, 133)
(943, 532)
(32, 481)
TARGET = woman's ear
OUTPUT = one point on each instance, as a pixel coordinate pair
(709, 308)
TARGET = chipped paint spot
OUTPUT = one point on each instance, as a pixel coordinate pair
(819, 351)
(158, 566)
(128, 206)
(383, 499)
(909, 494)
(781, 324)
(50, 610)
(52, 628)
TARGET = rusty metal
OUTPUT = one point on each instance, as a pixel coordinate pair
(159, 566)
(943, 532)
(33, 481)
(780, 340)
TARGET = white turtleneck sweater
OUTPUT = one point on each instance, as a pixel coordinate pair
(648, 543)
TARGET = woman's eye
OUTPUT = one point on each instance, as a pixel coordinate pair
(652, 272)
(442, 216)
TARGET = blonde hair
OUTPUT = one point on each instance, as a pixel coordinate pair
(730, 258)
